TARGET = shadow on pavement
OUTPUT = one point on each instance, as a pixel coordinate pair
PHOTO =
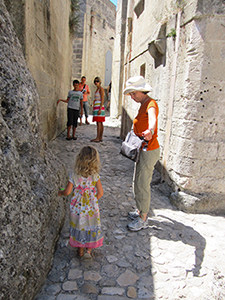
(183, 233)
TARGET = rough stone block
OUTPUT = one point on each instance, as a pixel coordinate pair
(30, 176)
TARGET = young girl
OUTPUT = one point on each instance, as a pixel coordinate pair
(85, 226)
(98, 110)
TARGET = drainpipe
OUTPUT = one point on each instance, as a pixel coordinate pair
(171, 100)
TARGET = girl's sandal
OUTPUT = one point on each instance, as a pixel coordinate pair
(81, 252)
(87, 256)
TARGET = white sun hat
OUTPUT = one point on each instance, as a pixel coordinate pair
(136, 83)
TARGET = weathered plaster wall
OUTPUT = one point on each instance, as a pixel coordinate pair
(31, 214)
(43, 30)
(118, 59)
(188, 83)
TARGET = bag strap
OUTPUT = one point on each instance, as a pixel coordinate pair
(83, 87)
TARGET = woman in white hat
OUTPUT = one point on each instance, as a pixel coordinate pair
(145, 125)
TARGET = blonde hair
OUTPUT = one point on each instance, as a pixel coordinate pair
(87, 162)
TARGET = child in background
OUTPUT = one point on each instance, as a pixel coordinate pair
(85, 226)
(84, 88)
(75, 104)
(98, 110)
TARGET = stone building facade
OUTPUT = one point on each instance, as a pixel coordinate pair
(43, 30)
(94, 42)
(31, 214)
(179, 47)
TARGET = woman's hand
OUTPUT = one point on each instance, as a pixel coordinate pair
(147, 135)
(99, 112)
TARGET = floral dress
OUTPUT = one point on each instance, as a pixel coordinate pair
(85, 226)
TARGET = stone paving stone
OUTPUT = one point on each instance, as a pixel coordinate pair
(45, 297)
(57, 276)
(92, 276)
(109, 270)
(119, 237)
(123, 264)
(127, 278)
(74, 274)
(92, 265)
(53, 289)
(127, 248)
(70, 286)
(108, 297)
(111, 258)
(113, 291)
(106, 282)
(79, 297)
(74, 263)
(66, 297)
(131, 292)
(89, 288)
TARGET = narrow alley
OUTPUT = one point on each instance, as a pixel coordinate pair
(178, 257)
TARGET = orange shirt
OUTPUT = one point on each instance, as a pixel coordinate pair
(85, 96)
(141, 123)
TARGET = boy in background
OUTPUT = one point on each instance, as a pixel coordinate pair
(75, 104)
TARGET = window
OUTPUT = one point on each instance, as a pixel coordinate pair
(139, 8)
(142, 70)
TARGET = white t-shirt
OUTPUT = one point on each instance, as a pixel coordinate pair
(74, 99)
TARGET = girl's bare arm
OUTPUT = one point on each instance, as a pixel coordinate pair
(67, 190)
(102, 96)
(99, 188)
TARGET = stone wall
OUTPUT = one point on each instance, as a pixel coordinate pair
(78, 43)
(181, 47)
(43, 30)
(94, 38)
(31, 212)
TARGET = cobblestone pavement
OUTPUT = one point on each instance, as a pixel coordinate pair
(180, 255)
